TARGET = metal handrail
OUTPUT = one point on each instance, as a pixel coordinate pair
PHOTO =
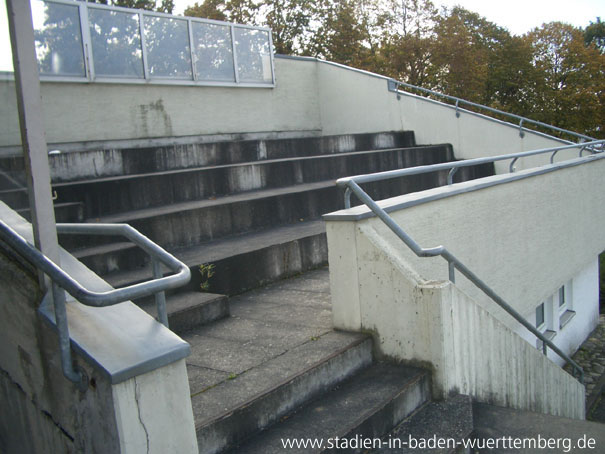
(351, 184)
(62, 281)
(395, 84)
(454, 166)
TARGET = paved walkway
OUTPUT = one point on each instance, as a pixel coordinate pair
(591, 357)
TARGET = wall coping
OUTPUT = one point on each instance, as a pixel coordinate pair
(120, 341)
(404, 201)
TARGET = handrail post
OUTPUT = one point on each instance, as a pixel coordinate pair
(451, 266)
(77, 377)
(160, 297)
(347, 197)
(450, 175)
(457, 111)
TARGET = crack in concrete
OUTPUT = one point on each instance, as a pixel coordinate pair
(136, 398)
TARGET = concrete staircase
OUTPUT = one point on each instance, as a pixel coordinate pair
(249, 208)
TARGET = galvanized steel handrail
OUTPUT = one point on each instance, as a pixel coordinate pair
(454, 166)
(62, 281)
(395, 84)
(351, 184)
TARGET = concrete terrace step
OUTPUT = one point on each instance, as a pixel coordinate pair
(276, 351)
(108, 195)
(241, 262)
(191, 309)
(364, 407)
(493, 423)
(192, 223)
(451, 420)
(80, 165)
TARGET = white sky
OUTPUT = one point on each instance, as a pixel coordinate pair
(518, 16)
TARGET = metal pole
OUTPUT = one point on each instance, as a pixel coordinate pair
(33, 139)
(160, 297)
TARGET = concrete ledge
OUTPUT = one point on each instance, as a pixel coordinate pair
(360, 212)
(121, 341)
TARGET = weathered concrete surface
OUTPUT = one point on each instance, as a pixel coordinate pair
(449, 419)
(497, 422)
(276, 351)
(115, 346)
(364, 407)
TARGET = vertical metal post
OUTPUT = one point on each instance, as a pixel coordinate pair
(160, 297)
(348, 197)
(451, 271)
(64, 343)
(33, 139)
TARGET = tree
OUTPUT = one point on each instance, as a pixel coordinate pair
(595, 35)
(571, 92)
(290, 22)
(343, 35)
(164, 6)
(238, 11)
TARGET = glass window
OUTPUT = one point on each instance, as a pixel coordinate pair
(213, 51)
(116, 43)
(58, 39)
(167, 46)
(540, 316)
(253, 55)
(562, 297)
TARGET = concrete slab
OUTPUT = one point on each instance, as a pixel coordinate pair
(493, 422)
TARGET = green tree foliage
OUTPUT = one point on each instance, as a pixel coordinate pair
(595, 35)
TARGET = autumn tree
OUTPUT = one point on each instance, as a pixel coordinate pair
(163, 6)
(571, 91)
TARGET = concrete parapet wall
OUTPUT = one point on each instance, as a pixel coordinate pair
(525, 238)
(311, 98)
(137, 400)
(437, 325)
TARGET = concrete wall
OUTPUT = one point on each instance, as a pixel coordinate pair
(82, 112)
(525, 238)
(436, 325)
(311, 97)
(137, 400)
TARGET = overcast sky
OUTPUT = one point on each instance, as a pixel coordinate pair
(518, 16)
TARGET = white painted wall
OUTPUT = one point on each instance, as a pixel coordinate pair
(310, 97)
(524, 238)
(436, 325)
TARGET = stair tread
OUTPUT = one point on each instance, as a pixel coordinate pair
(340, 412)
(496, 422)
(234, 165)
(224, 247)
(451, 419)
(247, 196)
(181, 302)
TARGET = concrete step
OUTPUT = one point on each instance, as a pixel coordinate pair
(192, 223)
(276, 351)
(190, 310)
(436, 428)
(362, 408)
(78, 165)
(64, 212)
(119, 194)
(564, 435)
(241, 262)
